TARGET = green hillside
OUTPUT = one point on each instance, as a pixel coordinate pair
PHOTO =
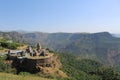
(75, 67)
(87, 69)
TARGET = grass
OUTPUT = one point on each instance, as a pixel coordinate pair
(6, 76)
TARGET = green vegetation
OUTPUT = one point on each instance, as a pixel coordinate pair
(4, 67)
(86, 69)
(10, 45)
(101, 47)
(76, 69)
(7, 68)
(6, 76)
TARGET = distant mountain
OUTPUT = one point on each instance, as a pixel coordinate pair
(101, 46)
(116, 35)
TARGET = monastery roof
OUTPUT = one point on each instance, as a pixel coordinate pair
(15, 51)
(40, 57)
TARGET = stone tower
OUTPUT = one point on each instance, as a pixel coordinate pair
(39, 47)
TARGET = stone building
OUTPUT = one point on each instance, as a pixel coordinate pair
(31, 59)
(14, 53)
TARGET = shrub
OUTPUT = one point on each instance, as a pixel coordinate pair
(6, 67)
(9, 45)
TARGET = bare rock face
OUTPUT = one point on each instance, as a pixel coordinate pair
(54, 70)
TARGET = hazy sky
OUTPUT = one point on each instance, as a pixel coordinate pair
(60, 15)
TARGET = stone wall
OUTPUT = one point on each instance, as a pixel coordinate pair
(32, 65)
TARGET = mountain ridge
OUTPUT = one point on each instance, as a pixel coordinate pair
(102, 46)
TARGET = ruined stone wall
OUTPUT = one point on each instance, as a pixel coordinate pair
(32, 65)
